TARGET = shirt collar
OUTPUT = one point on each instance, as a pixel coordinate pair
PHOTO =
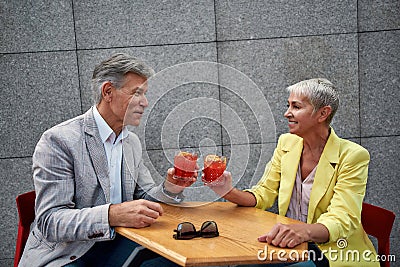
(105, 130)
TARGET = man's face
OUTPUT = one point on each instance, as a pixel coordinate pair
(130, 100)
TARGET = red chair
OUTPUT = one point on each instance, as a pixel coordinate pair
(378, 222)
(26, 214)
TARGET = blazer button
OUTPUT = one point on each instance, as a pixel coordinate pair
(72, 258)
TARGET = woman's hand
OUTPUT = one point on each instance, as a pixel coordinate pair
(291, 235)
(223, 185)
(286, 235)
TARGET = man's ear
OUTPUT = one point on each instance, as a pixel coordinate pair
(324, 113)
(106, 91)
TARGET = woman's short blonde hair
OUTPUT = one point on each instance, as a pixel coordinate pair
(320, 92)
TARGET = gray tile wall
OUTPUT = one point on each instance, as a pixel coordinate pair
(48, 50)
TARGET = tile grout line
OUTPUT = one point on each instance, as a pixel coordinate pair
(76, 56)
(359, 75)
(218, 77)
(192, 43)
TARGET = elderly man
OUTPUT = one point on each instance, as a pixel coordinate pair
(89, 176)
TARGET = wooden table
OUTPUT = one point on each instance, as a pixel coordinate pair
(238, 227)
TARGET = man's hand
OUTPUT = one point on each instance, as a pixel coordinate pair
(136, 213)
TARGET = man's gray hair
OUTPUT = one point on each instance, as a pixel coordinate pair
(114, 69)
(320, 92)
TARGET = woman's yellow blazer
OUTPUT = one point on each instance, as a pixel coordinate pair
(336, 196)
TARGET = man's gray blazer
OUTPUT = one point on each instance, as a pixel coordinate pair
(72, 186)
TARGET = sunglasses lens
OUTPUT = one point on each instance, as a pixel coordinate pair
(209, 229)
(185, 230)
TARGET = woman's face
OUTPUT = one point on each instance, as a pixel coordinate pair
(300, 115)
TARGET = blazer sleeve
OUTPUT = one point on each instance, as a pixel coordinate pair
(266, 190)
(343, 214)
(145, 187)
(57, 217)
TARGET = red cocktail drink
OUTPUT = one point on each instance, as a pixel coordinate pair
(214, 167)
(185, 164)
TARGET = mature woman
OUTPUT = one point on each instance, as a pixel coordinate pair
(320, 179)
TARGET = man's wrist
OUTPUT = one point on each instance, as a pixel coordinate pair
(169, 193)
(111, 214)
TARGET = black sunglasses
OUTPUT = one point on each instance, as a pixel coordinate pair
(186, 230)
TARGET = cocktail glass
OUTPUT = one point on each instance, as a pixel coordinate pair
(214, 167)
(185, 164)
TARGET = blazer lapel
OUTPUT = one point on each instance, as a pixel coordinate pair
(290, 162)
(97, 153)
(128, 170)
(324, 174)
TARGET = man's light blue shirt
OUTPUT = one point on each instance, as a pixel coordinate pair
(113, 147)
